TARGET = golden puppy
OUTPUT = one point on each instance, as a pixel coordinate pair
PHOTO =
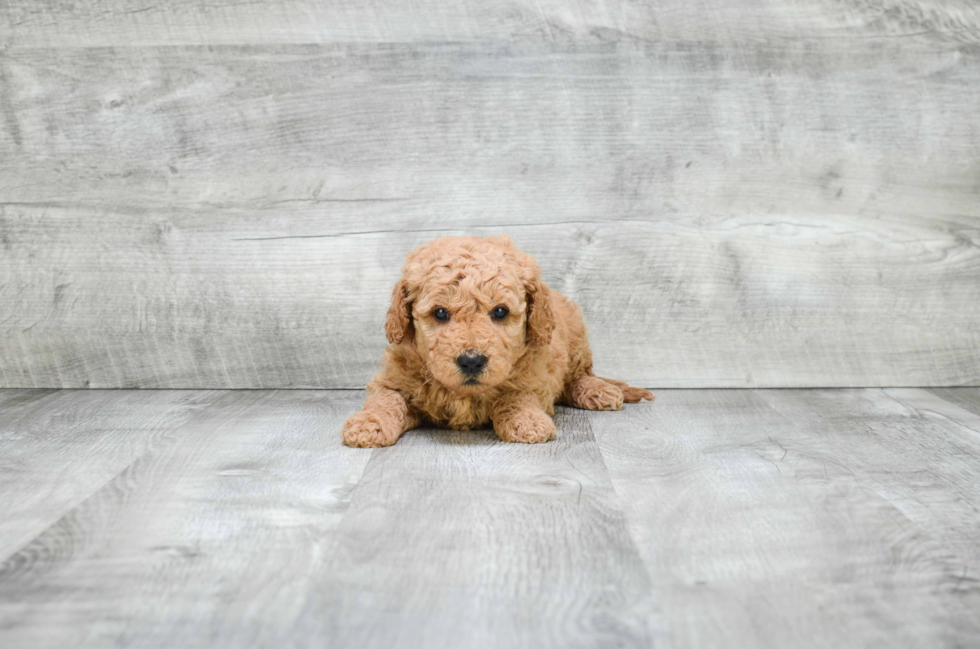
(476, 336)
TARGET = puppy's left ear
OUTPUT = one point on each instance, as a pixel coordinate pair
(540, 316)
(398, 324)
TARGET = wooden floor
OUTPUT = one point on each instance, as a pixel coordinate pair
(745, 518)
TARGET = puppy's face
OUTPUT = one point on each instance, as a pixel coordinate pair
(469, 307)
(469, 326)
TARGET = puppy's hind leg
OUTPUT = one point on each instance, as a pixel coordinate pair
(593, 393)
(382, 420)
(631, 394)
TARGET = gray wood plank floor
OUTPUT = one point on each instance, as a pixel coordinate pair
(709, 518)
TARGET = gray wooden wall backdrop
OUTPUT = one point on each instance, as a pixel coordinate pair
(739, 192)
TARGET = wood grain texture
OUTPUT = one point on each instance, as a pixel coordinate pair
(241, 499)
(780, 213)
(915, 449)
(965, 398)
(800, 518)
(455, 539)
(71, 443)
(34, 23)
(804, 518)
(254, 527)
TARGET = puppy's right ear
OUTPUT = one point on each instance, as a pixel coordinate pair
(398, 324)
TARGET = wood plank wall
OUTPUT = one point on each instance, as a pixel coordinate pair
(738, 192)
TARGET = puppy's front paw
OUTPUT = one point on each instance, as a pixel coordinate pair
(366, 431)
(527, 426)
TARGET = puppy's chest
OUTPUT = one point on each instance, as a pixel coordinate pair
(449, 409)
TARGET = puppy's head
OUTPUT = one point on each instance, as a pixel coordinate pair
(471, 307)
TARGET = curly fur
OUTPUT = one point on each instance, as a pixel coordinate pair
(537, 356)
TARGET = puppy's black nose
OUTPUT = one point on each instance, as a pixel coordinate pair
(471, 364)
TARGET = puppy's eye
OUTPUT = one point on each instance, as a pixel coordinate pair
(440, 314)
(499, 313)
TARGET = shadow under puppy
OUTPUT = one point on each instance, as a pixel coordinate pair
(476, 336)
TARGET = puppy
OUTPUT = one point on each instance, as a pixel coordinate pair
(477, 337)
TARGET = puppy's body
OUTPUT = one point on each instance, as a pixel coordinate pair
(477, 365)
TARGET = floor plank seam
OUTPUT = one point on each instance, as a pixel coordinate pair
(95, 492)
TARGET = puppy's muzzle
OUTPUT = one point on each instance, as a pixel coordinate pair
(471, 363)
